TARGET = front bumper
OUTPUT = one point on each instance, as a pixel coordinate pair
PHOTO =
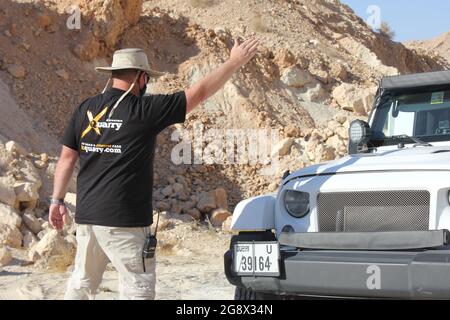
(423, 274)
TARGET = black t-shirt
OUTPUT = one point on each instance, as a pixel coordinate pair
(115, 181)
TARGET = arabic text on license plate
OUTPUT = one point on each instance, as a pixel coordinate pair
(259, 258)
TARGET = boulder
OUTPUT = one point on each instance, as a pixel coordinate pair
(178, 188)
(13, 146)
(226, 226)
(194, 213)
(273, 186)
(29, 240)
(6, 157)
(167, 191)
(342, 132)
(53, 252)
(44, 21)
(294, 77)
(282, 148)
(44, 231)
(354, 98)
(334, 142)
(324, 153)
(314, 92)
(7, 194)
(31, 174)
(220, 197)
(44, 157)
(284, 58)
(338, 72)
(176, 208)
(5, 256)
(71, 201)
(32, 222)
(218, 216)
(10, 235)
(62, 74)
(162, 206)
(333, 125)
(206, 201)
(340, 119)
(17, 71)
(26, 191)
(292, 131)
(40, 164)
(9, 216)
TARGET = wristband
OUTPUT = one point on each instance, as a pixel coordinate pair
(57, 201)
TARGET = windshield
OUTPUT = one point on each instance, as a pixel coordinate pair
(425, 115)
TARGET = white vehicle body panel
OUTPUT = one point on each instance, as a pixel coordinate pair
(410, 168)
(255, 214)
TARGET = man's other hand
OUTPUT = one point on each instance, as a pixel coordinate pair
(241, 53)
(57, 216)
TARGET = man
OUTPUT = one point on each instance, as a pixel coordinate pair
(114, 135)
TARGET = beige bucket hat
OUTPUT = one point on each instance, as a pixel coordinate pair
(131, 58)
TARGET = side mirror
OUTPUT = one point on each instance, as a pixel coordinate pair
(359, 135)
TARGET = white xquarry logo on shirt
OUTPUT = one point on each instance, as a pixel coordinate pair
(95, 123)
(101, 148)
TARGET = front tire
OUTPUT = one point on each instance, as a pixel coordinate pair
(248, 294)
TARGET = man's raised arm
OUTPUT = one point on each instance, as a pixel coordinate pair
(210, 84)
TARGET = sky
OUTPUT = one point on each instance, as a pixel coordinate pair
(409, 19)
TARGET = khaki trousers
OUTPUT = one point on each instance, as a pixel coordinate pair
(96, 246)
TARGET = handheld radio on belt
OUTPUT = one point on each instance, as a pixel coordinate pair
(149, 249)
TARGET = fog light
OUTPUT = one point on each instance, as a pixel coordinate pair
(288, 229)
(359, 132)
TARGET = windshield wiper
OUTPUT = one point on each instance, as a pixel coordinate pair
(418, 141)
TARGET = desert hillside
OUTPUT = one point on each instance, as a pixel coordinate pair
(439, 45)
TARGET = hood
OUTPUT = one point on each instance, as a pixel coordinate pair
(413, 158)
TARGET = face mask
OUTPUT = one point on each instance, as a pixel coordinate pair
(143, 90)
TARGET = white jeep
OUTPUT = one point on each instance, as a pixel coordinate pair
(372, 224)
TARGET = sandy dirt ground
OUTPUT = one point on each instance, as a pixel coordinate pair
(189, 266)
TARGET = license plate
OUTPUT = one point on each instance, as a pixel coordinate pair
(257, 259)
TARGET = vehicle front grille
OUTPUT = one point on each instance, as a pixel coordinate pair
(373, 211)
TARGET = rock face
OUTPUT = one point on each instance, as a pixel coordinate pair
(109, 20)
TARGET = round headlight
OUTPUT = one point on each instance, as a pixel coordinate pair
(296, 203)
(359, 131)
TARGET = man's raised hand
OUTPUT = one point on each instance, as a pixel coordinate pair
(244, 52)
